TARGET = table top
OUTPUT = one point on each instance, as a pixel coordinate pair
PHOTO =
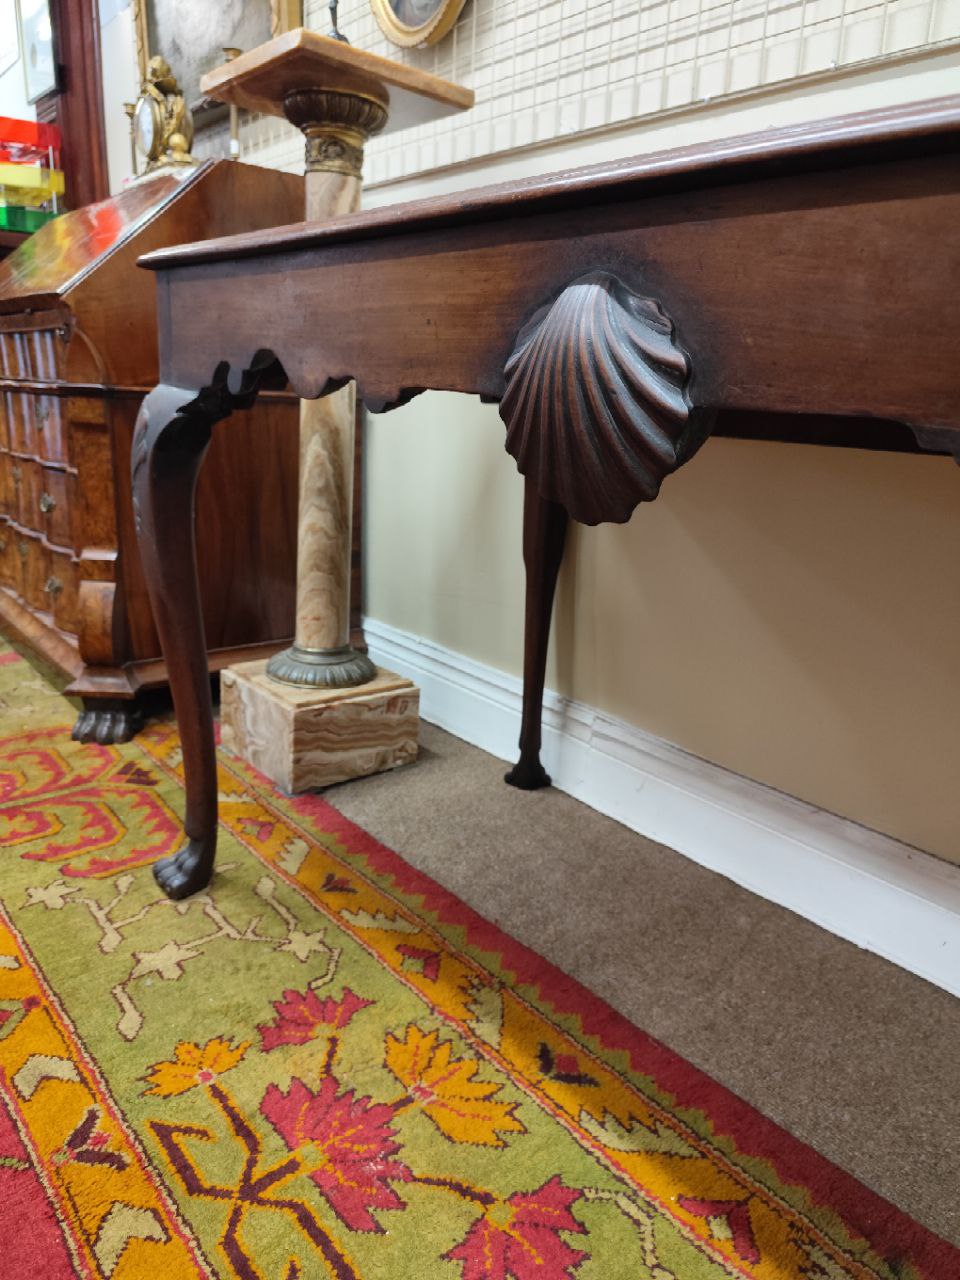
(932, 126)
(260, 79)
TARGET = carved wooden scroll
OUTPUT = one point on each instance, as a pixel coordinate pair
(597, 404)
(189, 424)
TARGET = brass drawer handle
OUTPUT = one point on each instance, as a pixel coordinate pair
(47, 503)
(23, 550)
(3, 544)
(53, 586)
(41, 413)
(17, 475)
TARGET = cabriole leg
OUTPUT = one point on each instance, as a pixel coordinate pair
(168, 449)
(544, 535)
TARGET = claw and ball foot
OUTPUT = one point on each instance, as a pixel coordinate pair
(187, 871)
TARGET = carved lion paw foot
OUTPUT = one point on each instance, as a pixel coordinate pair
(107, 725)
(527, 775)
(185, 872)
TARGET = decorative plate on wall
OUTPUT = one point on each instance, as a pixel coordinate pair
(416, 22)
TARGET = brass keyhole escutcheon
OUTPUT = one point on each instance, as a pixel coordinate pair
(47, 503)
(17, 475)
(53, 586)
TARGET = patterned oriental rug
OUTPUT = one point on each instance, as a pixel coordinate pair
(328, 1066)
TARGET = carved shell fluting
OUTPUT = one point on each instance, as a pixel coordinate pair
(596, 404)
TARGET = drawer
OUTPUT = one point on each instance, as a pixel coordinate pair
(46, 356)
(22, 346)
(35, 557)
(9, 496)
(22, 427)
(27, 474)
(13, 486)
(56, 506)
(14, 355)
(10, 564)
(93, 463)
(61, 589)
(50, 429)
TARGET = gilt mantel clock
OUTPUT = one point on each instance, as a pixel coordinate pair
(162, 123)
(412, 23)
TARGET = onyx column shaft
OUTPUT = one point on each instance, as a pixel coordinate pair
(336, 126)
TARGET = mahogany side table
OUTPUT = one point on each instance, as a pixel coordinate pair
(799, 284)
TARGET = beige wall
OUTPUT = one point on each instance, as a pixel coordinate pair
(790, 613)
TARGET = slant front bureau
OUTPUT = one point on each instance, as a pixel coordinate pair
(78, 352)
(799, 284)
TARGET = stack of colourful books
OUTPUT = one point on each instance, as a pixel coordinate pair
(31, 180)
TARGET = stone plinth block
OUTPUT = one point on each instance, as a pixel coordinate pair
(306, 738)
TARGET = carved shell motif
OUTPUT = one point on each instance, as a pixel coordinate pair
(596, 404)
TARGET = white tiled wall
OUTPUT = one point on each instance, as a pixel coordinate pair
(545, 70)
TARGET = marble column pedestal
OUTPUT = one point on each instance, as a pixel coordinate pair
(307, 738)
(326, 714)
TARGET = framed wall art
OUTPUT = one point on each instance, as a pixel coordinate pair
(415, 23)
(192, 37)
(39, 64)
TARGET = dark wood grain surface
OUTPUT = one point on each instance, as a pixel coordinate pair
(839, 143)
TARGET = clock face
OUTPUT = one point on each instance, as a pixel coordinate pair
(413, 13)
(147, 130)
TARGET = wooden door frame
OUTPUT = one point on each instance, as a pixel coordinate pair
(76, 106)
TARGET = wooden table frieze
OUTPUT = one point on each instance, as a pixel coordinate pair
(800, 284)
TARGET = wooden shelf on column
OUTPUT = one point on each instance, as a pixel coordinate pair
(261, 79)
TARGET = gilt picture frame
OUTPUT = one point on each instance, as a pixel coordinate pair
(192, 37)
(416, 23)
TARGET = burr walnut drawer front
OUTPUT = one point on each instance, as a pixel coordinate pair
(27, 476)
(34, 568)
(60, 589)
(33, 424)
(11, 574)
(14, 355)
(22, 428)
(50, 431)
(56, 505)
(9, 498)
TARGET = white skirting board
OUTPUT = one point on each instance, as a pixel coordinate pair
(874, 891)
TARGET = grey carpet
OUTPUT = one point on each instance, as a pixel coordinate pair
(846, 1051)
